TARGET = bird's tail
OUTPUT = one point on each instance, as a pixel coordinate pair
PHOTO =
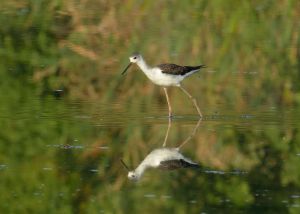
(194, 166)
(190, 165)
(193, 69)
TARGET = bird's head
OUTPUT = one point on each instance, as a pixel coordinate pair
(132, 175)
(134, 58)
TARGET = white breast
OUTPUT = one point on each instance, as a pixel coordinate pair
(163, 154)
(162, 79)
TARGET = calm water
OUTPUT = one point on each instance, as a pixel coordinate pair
(64, 155)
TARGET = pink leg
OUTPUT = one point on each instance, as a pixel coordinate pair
(191, 135)
(167, 134)
(168, 101)
(193, 100)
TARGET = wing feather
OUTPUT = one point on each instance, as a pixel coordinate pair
(174, 69)
(176, 164)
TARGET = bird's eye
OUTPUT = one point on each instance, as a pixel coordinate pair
(134, 57)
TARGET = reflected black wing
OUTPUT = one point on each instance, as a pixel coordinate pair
(176, 164)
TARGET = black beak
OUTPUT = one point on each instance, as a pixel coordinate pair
(124, 163)
(126, 68)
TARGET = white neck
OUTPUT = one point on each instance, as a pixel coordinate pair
(144, 67)
(140, 169)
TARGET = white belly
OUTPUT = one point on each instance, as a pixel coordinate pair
(162, 79)
(162, 154)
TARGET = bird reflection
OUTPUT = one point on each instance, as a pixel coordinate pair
(164, 158)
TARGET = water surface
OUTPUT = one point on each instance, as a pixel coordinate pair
(59, 153)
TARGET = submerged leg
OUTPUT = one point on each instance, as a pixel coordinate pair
(167, 134)
(168, 100)
(192, 98)
(191, 135)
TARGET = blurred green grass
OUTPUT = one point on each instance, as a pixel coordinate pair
(82, 46)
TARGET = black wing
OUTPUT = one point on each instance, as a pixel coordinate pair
(177, 69)
(176, 164)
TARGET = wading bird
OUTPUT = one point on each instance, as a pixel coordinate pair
(166, 75)
(164, 158)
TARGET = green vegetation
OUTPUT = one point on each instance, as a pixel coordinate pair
(252, 50)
